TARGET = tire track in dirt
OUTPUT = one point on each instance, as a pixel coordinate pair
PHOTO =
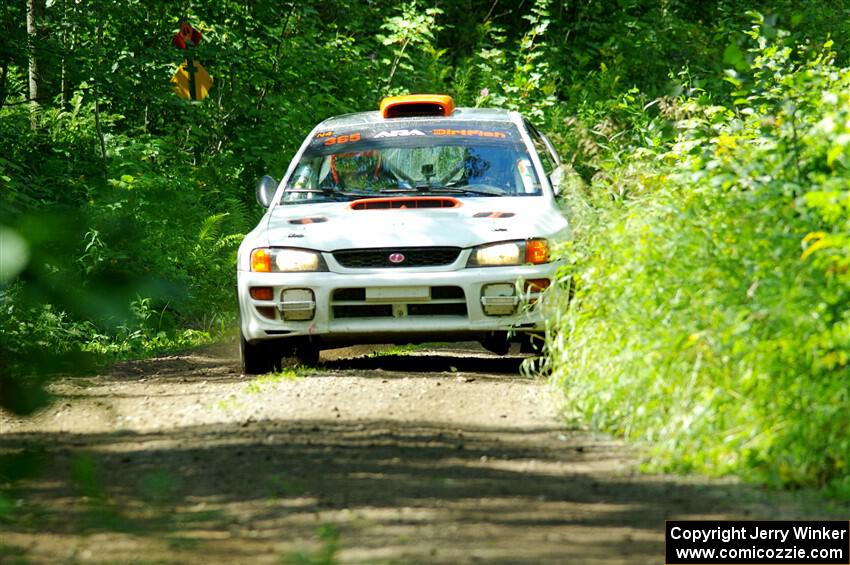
(438, 455)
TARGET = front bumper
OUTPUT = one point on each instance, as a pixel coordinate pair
(392, 304)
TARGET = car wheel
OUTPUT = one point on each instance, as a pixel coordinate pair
(532, 343)
(496, 342)
(307, 353)
(258, 358)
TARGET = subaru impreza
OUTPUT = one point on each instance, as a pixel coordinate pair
(417, 222)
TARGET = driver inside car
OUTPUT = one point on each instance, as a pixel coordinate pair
(362, 170)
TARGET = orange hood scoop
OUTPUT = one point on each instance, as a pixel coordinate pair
(397, 203)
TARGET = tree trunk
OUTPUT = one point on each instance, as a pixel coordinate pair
(5, 50)
(35, 9)
(65, 52)
(4, 72)
(96, 92)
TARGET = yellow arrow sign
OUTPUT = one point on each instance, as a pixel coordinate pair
(181, 81)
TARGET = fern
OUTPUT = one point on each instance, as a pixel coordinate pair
(227, 241)
(240, 217)
(210, 228)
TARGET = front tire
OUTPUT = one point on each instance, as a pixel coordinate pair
(307, 353)
(258, 358)
(496, 342)
(533, 343)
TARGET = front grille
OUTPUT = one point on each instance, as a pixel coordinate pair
(386, 310)
(364, 311)
(458, 309)
(444, 301)
(358, 294)
(447, 293)
(354, 294)
(412, 257)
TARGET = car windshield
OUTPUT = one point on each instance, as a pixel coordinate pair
(468, 159)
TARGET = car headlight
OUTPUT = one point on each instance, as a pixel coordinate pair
(286, 260)
(529, 251)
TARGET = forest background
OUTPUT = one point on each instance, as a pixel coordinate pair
(707, 144)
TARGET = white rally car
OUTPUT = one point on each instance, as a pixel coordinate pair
(419, 222)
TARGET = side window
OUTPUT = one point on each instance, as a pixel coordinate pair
(544, 149)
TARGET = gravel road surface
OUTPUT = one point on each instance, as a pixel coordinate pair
(442, 454)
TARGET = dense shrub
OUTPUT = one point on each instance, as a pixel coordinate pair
(711, 313)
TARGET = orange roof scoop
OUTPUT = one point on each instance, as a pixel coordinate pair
(414, 105)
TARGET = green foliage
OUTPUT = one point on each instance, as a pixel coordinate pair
(262, 383)
(710, 319)
(412, 29)
(325, 555)
(518, 77)
(158, 488)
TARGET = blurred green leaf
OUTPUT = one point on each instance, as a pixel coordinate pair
(733, 55)
(14, 254)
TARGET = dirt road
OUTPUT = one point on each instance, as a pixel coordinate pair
(440, 455)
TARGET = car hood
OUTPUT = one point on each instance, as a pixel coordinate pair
(473, 221)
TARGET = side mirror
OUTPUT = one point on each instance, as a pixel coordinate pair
(266, 188)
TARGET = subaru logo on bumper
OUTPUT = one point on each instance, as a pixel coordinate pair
(396, 258)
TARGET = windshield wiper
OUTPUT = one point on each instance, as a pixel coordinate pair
(329, 194)
(461, 190)
(440, 190)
